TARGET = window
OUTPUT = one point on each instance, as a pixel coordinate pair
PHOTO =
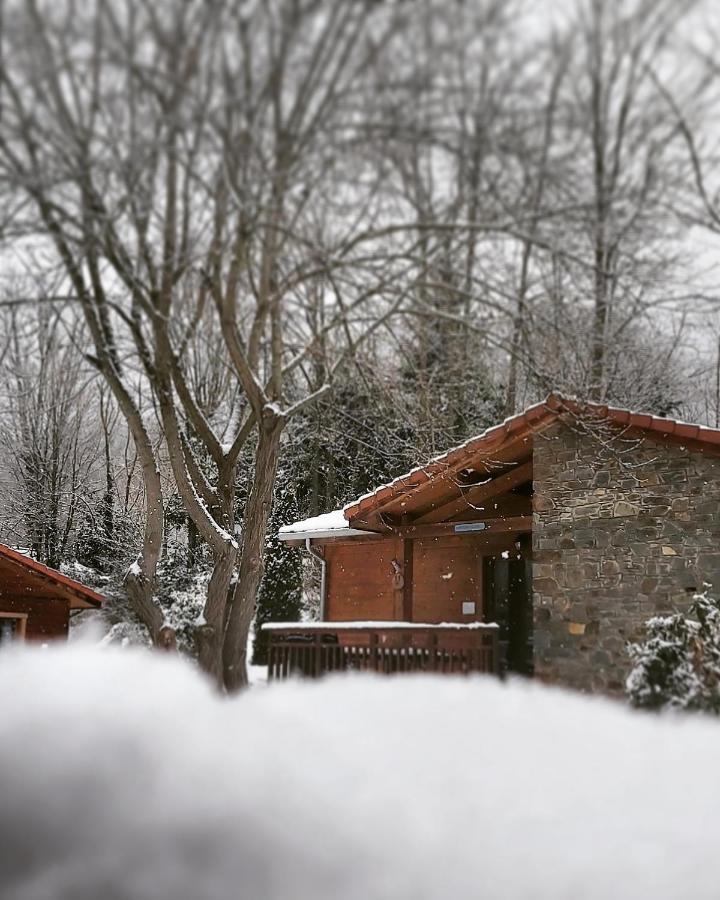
(12, 627)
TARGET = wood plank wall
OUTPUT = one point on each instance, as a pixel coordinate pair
(448, 571)
(360, 581)
(445, 571)
(48, 618)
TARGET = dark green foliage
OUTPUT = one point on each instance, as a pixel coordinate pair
(280, 597)
(352, 441)
(104, 538)
(678, 664)
(91, 546)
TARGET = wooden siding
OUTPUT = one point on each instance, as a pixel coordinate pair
(447, 571)
(21, 576)
(47, 618)
(360, 580)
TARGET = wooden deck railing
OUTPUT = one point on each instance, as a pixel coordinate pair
(314, 649)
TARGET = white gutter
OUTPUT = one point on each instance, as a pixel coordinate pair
(323, 575)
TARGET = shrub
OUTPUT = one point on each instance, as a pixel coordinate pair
(677, 666)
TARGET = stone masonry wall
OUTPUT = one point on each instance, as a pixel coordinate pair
(623, 530)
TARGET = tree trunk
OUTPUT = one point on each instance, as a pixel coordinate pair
(140, 578)
(599, 326)
(209, 635)
(108, 512)
(252, 558)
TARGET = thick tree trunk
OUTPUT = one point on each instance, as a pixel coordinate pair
(140, 579)
(209, 635)
(252, 557)
(599, 325)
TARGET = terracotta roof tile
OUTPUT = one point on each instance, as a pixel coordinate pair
(689, 432)
(709, 435)
(662, 426)
(529, 421)
(91, 598)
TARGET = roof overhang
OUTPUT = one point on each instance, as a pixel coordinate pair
(78, 595)
(502, 455)
(508, 444)
(323, 527)
(327, 533)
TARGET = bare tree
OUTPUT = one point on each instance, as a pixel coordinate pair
(185, 161)
(243, 197)
(47, 433)
(622, 139)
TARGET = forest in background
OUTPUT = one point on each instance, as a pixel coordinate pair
(259, 257)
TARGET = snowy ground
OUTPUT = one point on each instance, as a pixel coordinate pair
(123, 776)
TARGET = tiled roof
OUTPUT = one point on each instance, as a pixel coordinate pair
(526, 423)
(86, 595)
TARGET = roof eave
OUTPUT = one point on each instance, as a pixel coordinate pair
(78, 595)
(312, 534)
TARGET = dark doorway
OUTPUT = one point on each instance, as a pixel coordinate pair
(508, 601)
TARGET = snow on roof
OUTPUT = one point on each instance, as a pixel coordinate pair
(332, 524)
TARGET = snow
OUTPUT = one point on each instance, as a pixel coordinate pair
(330, 520)
(121, 634)
(331, 524)
(374, 624)
(123, 775)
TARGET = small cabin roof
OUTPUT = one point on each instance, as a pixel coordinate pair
(492, 453)
(28, 575)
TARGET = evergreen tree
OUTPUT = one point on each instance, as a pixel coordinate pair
(280, 596)
(677, 666)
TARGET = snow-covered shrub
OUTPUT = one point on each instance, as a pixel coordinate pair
(677, 666)
(184, 608)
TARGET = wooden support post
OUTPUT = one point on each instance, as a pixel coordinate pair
(374, 656)
(398, 576)
(433, 658)
(318, 655)
(407, 598)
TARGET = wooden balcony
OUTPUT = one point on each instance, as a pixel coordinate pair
(317, 648)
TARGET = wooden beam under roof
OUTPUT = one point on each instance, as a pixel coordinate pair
(424, 494)
(505, 525)
(478, 494)
(505, 505)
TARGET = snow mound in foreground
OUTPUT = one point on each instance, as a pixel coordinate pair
(123, 776)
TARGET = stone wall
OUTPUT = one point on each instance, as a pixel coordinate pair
(624, 529)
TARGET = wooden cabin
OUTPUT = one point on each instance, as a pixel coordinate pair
(36, 601)
(541, 546)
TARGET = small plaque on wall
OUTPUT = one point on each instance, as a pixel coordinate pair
(468, 607)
